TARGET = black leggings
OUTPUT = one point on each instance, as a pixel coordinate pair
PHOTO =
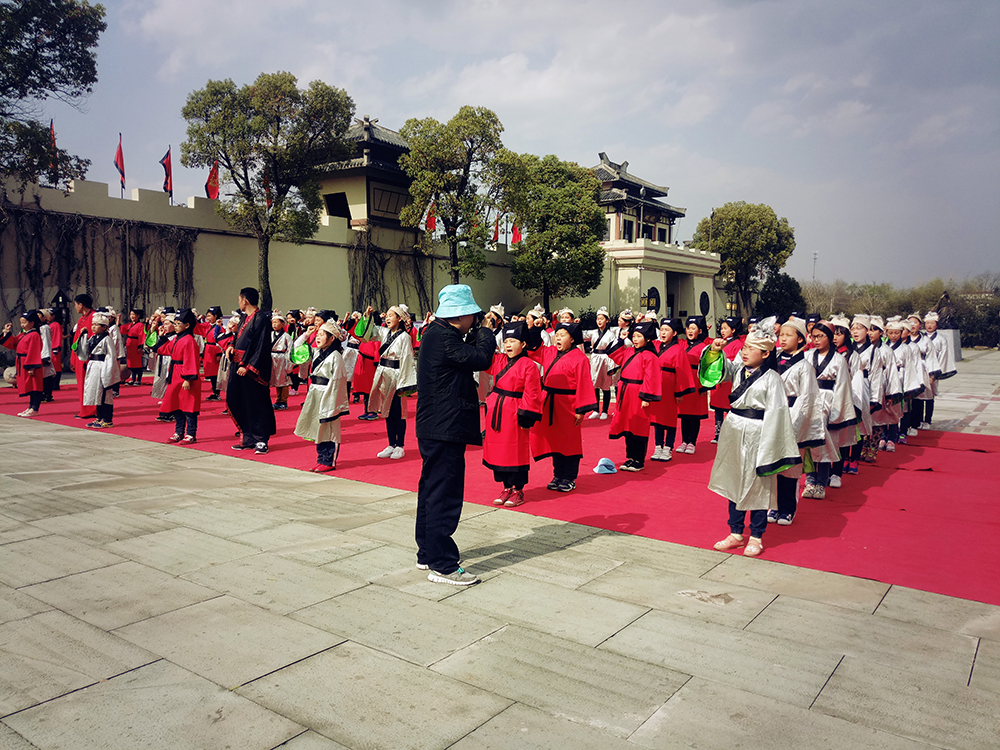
(635, 448)
(720, 415)
(917, 412)
(607, 400)
(214, 381)
(35, 400)
(137, 375)
(690, 427)
(395, 425)
(516, 478)
(664, 436)
(186, 423)
(787, 495)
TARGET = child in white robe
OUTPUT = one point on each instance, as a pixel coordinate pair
(326, 400)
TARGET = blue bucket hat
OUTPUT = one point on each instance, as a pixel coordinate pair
(456, 300)
(605, 466)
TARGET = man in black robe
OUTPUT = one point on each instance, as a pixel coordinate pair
(248, 395)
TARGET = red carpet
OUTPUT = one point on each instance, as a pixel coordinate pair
(926, 517)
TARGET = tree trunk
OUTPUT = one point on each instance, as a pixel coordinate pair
(263, 271)
(453, 256)
(545, 295)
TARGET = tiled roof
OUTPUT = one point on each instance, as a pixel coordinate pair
(367, 130)
(614, 195)
(609, 171)
(337, 166)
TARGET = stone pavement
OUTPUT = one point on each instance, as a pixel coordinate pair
(156, 597)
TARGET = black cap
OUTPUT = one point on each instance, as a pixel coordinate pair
(573, 329)
(516, 330)
(647, 328)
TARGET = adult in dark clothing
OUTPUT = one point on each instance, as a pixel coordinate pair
(447, 421)
(248, 395)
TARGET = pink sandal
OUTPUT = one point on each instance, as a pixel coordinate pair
(754, 548)
(730, 542)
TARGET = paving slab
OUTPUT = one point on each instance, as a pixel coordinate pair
(119, 594)
(11, 740)
(922, 708)
(564, 567)
(48, 557)
(723, 603)
(598, 689)
(575, 615)
(103, 525)
(862, 594)
(16, 605)
(180, 550)
(311, 741)
(227, 640)
(342, 694)
(45, 503)
(486, 529)
(528, 728)
(381, 527)
(372, 564)
(986, 673)
(946, 655)
(939, 611)
(289, 537)
(51, 653)
(17, 531)
(332, 546)
(158, 707)
(763, 664)
(52, 478)
(652, 553)
(274, 582)
(224, 519)
(708, 715)
(400, 624)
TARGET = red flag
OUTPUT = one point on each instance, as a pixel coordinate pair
(267, 190)
(496, 230)
(168, 174)
(212, 183)
(120, 161)
(432, 221)
(515, 234)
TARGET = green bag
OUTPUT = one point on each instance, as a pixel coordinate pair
(299, 354)
(151, 338)
(360, 327)
(711, 369)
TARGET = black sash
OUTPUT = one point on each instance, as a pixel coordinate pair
(496, 419)
(748, 413)
(388, 342)
(827, 385)
(738, 391)
(319, 380)
(392, 364)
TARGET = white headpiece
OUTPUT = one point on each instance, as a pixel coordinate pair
(863, 320)
(799, 325)
(761, 334)
(877, 322)
(101, 319)
(895, 323)
(931, 316)
(604, 311)
(497, 308)
(840, 321)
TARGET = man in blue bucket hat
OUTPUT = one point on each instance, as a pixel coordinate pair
(447, 421)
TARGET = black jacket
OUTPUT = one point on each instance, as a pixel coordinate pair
(447, 399)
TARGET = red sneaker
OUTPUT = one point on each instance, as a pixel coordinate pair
(322, 468)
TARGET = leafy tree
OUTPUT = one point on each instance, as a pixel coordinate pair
(781, 295)
(751, 240)
(273, 142)
(563, 224)
(459, 170)
(47, 51)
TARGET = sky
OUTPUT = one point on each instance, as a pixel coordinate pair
(874, 127)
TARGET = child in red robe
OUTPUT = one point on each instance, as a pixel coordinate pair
(694, 407)
(211, 330)
(28, 345)
(134, 333)
(639, 386)
(182, 399)
(568, 398)
(677, 382)
(512, 408)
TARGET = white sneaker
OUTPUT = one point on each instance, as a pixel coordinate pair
(689, 448)
(604, 415)
(682, 448)
(890, 447)
(386, 452)
(398, 452)
(925, 425)
(834, 480)
(666, 454)
(657, 452)
(881, 445)
(594, 415)
(912, 432)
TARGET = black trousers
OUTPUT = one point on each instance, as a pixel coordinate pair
(664, 435)
(690, 427)
(105, 412)
(440, 494)
(607, 400)
(788, 500)
(47, 385)
(516, 478)
(916, 412)
(565, 467)
(635, 448)
(186, 423)
(326, 453)
(35, 400)
(395, 425)
(250, 405)
(737, 521)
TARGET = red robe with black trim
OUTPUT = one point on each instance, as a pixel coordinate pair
(57, 344)
(638, 380)
(695, 404)
(364, 370)
(213, 352)
(677, 381)
(80, 368)
(567, 390)
(183, 367)
(720, 394)
(28, 346)
(514, 405)
(135, 337)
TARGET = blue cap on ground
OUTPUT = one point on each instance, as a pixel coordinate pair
(605, 466)
(456, 300)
